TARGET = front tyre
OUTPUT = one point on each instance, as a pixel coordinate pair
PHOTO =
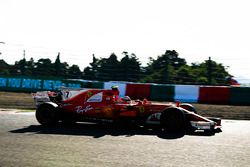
(173, 120)
(188, 107)
(47, 114)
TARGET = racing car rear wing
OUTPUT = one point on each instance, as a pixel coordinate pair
(65, 93)
(40, 97)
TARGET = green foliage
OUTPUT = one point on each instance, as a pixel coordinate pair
(111, 69)
(4, 68)
(164, 68)
(43, 67)
(218, 74)
(167, 68)
(58, 66)
(107, 69)
(74, 72)
(90, 72)
(129, 68)
(185, 75)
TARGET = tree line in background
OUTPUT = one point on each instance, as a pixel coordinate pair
(167, 68)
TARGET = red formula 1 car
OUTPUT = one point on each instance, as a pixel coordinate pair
(104, 105)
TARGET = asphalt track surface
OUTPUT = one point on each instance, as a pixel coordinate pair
(23, 142)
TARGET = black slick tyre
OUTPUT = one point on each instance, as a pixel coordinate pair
(47, 114)
(173, 120)
(188, 107)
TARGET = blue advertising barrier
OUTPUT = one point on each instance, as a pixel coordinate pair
(30, 84)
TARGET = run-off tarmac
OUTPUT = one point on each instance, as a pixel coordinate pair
(23, 142)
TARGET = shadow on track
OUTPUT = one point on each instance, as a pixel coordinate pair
(100, 130)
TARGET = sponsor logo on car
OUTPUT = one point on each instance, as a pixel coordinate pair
(81, 109)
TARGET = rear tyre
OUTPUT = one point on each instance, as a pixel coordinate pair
(173, 120)
(47, 114)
